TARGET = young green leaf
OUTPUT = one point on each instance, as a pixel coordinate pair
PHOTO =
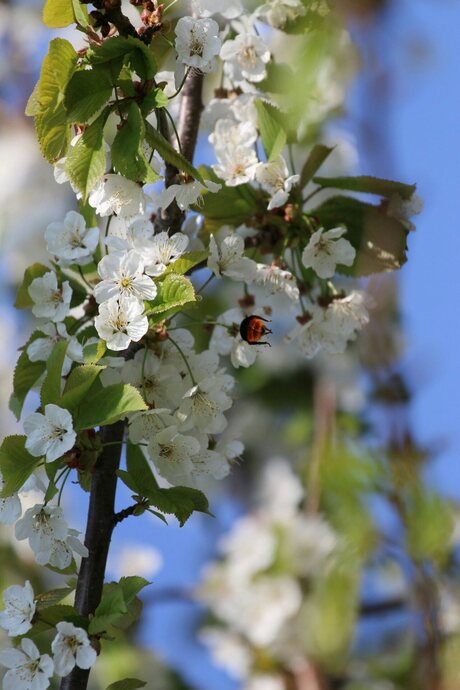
(128, 157)
(316, 158)
(108, 406)
(272, 133)
(127, 684)
(169, 153)
(85, 164)
(26, 375)
(16, 464)
(232, 206)
(86, 94)
(367, 185)
(52, 597)
(139, 471)
(50, 391)
(174, 291)
(180, 501)
(186, 262)
(78, 385)
(140, 57)
(58, 13)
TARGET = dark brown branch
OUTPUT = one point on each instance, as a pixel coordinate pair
(98, 536)
(191, 107)
(124, 514)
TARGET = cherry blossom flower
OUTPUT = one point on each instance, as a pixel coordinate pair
(19, 610)
(123, 277)
(226, 258)
(50, 434)
(41, 348)
(71, 647)
(172, 454)
(71, 241)
(326, 249)
(265, 681)
(228, 651)
(236, 165)
(197, 42)
(162, 250)
(229, 134)
(42, 525)
(230, 9)
(28, 669)
(275, 179)
(121, 321)
(245, 58)
(186, 194)
(50, 300)
(10, 506)
(116, 194)
(278, 12)
(203, 404)
(62, 551)
(160, 384)
(276, 280)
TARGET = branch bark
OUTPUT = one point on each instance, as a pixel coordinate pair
(101, 516)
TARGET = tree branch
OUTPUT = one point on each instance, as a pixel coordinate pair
(99, 530)
(191, 106)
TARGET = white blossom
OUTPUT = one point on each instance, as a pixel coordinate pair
(50, 434)
(186, 194)
(265, 681)
(143, 426)
(41, 348)
(197, 42)
(326, 249)
(203, 404)
(50, 301)
(227, 258)
(19, 610)
(229, 134)
(10, 506)
(162, 250)
(62, 551)
(71, 647)
(245, 58)
(123, 277)
(228, 651)
(278, 12)
(116, 194)
(236, 165)
(28, 669)
(71, 241)
(160, 384)
(275, 179)
(42, 525)
(172, 454)
(121, 321)
(276, 280)
(230, 9)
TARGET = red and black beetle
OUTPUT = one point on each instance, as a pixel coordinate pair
(252, 329)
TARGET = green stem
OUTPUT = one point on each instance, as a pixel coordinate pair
(68, 471)
(181, 85)
(184, 358)
(205, 284)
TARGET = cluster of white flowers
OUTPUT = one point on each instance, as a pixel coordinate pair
(27, 668)
(255, 590)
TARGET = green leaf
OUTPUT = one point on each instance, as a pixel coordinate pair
(108, 405)
(51, 388)
(141, 477)
(127, 155)
(131, 586)
(53, 130)
(140, 57)
(280, 78)
(180, 501)
(272, 133)
(156, 98)
(111, 608)
(169, 153)
(78, 384)
(52, 597)
(52, 615)
(80, 13)
(58, 13)
(93, 352)
(186, 262)
(230, 206)
(16, 464)
(367, 185)
(86, 94)
(379, 239)
(127, 684)
(316, 158)
(85, 164)
(23, 299)
(429, 526)
(26, 375)
(174, 291)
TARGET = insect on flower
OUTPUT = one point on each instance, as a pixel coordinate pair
(252, 329)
